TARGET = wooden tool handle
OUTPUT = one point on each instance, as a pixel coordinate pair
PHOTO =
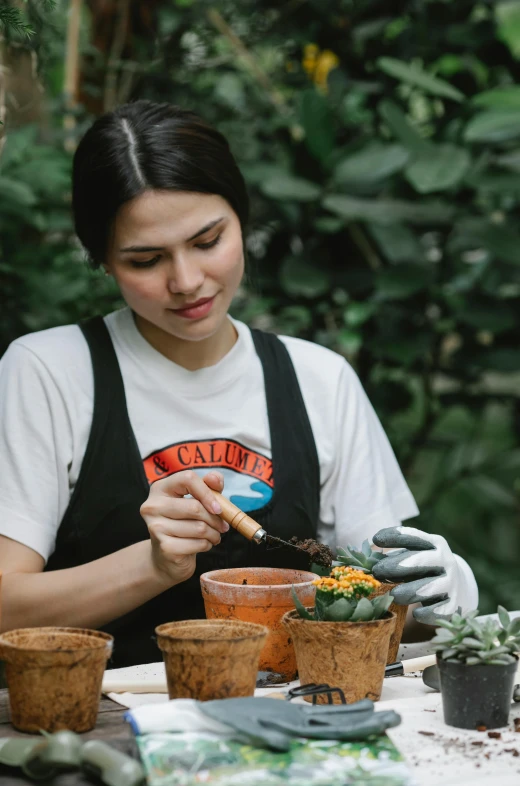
(418, 664)
(237, 519)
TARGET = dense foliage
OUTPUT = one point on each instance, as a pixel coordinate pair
(381, 143)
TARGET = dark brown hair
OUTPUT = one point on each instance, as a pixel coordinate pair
(141, 146)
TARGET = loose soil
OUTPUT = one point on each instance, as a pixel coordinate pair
(318, 552)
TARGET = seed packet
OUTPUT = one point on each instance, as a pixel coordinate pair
(190, 758)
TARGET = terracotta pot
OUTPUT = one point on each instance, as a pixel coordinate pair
(400, 619)
(261, 595)
(54, 676)
(210, 659)
(347, 655)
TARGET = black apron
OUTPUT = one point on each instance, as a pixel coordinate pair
(103, 513)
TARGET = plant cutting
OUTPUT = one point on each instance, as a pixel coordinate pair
(343, 640)
(477, 663)
(365, 560)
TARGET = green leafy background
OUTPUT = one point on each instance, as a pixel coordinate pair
(385, 217)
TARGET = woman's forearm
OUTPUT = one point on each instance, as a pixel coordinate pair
(89, 595)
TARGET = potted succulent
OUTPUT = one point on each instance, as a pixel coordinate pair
(343, 640)
(365, 560)
(477, 667)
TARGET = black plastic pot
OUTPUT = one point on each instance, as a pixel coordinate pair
(475, 696)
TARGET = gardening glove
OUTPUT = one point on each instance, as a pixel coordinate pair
(271, 723)
(428, 573)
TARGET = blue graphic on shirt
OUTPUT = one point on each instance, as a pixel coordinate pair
(245, 492)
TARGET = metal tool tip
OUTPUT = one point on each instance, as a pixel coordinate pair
(260, 535)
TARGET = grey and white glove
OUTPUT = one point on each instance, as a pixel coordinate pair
(428, 573)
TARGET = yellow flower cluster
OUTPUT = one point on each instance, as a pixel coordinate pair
(348, 582)
(318, 64)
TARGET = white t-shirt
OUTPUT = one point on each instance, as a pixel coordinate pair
(212, 417)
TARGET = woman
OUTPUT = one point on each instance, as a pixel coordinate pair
(116, 432)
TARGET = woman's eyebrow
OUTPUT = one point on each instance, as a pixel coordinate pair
(206, 228)
(202, 231)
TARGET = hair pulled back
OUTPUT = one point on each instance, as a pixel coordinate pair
(144, 146)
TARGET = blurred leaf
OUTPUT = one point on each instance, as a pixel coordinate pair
(501, 240)
(284, 186)
(17, 145)
(493, 316)
(397, 242)
(507, 461)
(403, 349)
(371, 164)
(328, 224)
(510, 160)
(442, 167)
(507, 17)
(498, 98)
(401, 128)
(391, 396)
(317, 123)
(350, 341)
(499, 125)
(229, 90)
(504, 360)
(490, 492)
(294, 320)
(501, 184)
(300, 278)
(12, 191)
(259, 171)
(389, 211)
(357, 314)
(402, 281)
(416, 76)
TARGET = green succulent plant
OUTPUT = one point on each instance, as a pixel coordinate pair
(362, 560)
(331, 607)
(464, 639)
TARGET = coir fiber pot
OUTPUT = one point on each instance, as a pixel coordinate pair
(260, 595)
(479, 695)
(347, 655)
(400, 619)
(210, 659)
(54, 676)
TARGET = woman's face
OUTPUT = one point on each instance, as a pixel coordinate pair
(178, 260)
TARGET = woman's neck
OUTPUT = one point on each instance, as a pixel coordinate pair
(191, 355)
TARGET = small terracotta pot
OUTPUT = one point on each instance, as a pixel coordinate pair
(260, 595)
(347, 655)
(54, 676)
(210, 659)
(400, 619)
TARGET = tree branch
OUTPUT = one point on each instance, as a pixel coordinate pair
(218, 21)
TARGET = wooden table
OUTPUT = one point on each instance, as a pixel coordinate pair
(110, 728)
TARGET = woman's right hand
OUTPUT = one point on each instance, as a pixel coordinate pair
(181, 528)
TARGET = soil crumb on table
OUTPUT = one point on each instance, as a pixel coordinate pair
(318, 552)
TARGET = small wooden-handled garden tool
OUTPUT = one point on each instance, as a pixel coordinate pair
(427, 664)
(247, 526)
(240, 521)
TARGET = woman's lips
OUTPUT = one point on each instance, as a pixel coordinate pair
(199, 309)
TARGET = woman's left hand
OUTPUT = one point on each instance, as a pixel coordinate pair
(428, 572)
